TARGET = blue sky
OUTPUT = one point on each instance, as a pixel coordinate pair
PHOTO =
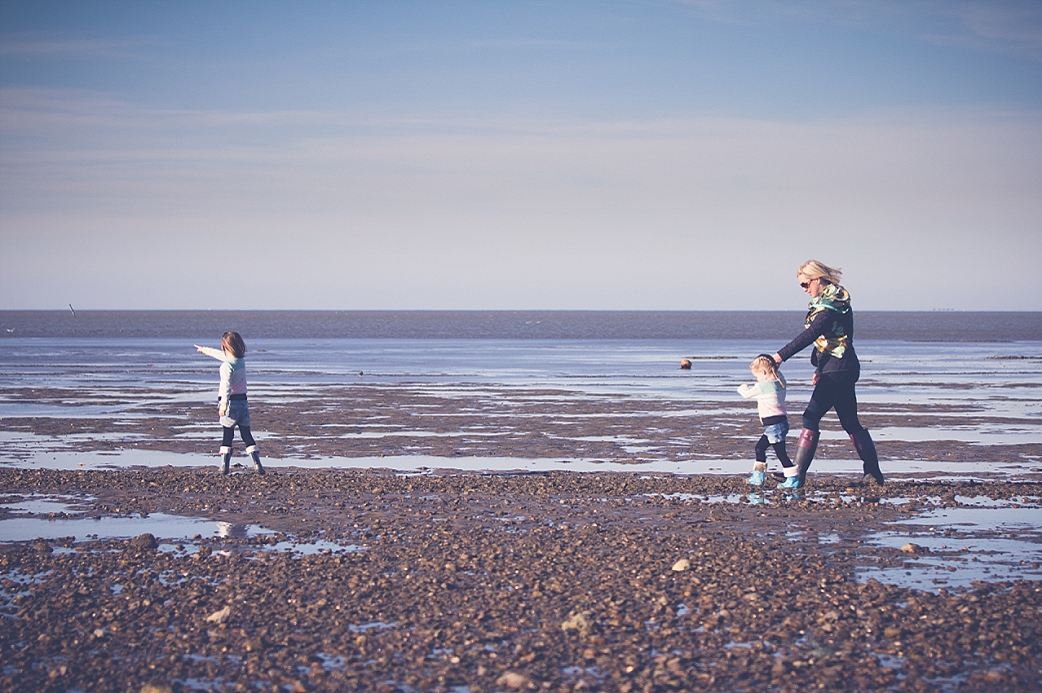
(519, 155)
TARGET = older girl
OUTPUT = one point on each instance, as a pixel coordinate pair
(231, 400)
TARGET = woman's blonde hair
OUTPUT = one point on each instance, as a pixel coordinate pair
(233, 344)
(767, 364)
(812, 269)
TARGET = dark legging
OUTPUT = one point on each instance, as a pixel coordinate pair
(834, 391)
(779, 449)
(229, 436)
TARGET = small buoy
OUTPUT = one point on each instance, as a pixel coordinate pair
(685, 364)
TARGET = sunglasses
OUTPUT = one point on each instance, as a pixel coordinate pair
(804, 285)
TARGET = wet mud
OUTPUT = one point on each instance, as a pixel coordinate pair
(481, 582)
(374, 419)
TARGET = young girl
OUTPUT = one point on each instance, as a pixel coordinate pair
(769, 391)
(231, 401)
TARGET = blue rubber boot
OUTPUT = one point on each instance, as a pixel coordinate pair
(758, 475)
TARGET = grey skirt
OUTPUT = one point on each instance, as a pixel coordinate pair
(238, 414)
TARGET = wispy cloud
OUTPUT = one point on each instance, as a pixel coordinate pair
(1012, 27)
(33, 109)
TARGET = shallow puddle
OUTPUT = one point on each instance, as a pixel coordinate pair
(981, 518)
(42, 505)
(131, 457)
(959, 546)
(26, 451)
(169, 529)
(160, 525)
(313, 547)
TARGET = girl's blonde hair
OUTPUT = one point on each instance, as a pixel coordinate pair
(233, 344)
(766, 363)
(812, 269)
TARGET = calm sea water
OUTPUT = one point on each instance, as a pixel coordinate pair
(593, 325)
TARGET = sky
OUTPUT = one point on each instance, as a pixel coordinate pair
(519, 155)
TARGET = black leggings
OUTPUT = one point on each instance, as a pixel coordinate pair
(229, 436)
(834, 391)
(779, 449)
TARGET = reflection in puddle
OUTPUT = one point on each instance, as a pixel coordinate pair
(985, 501)
(160, 525)
(959, 546)
(731, 498)
(80, 527)
(981, 518)
(42, 505)
(172, 528)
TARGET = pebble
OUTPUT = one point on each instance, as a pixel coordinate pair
(914, 548)
(143, 542)
(512, 679)
(220, 616)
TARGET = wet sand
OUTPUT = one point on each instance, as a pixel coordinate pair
(372, 419)
(496, 582)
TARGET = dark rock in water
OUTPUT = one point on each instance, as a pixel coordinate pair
(143, 542)
(41, 547)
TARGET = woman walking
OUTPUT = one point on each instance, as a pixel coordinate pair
(830, 328)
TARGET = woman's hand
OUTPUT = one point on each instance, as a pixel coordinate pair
(814, 378)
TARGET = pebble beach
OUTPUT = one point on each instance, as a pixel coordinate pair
(365, 580)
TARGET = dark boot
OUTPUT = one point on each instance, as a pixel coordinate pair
(866, 450)
(806, 445)
(226, 460)
(255, 454)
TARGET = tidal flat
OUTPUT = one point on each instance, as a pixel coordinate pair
(332, 580)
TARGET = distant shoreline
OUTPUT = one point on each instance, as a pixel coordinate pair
(912, 326)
